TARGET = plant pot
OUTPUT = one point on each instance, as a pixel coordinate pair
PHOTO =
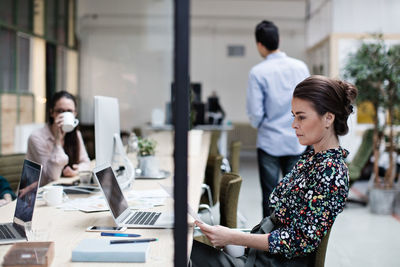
(149, 166)
(381, 201)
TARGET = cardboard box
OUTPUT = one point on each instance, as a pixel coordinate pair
(30, 254)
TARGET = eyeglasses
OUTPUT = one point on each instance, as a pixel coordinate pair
(63, 110)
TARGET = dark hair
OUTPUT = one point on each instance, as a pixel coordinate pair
(267, 34)
(71, 141)
(328, 95)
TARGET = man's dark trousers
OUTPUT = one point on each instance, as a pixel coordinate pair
(269, 168)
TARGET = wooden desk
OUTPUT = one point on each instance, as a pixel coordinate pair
(67, 228)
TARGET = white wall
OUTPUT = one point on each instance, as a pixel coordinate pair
(126, 50)
(354, 16)
(358, 16)
(319, 21)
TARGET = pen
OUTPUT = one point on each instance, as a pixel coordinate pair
(132, 241)
(119, 234)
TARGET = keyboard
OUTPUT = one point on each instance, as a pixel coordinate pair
(144, 218)
(5, 232)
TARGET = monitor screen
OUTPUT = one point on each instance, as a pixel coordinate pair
(106, 125)
(112, 191)
(28, 186)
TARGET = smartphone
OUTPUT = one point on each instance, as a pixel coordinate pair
(105, 229)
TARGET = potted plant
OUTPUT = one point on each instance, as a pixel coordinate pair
(371, 69)
(394, 91)
(148, 163)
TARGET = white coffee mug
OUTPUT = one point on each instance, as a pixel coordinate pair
(69, 122)
(234, 250)
(53, 195)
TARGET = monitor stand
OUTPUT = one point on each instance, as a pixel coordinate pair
(120, 158)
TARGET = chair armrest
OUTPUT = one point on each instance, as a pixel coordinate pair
(207, 188)
(208, 208)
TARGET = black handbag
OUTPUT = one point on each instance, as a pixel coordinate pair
(256, 257)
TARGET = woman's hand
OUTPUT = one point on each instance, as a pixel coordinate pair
(57, 129)
(218, 235)
(6, 199)
(70, 172)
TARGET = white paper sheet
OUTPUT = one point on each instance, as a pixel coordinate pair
(191, 212)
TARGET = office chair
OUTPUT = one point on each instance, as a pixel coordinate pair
(215, 135)
(359, 162)
(362, 156)
(320, 253)
(212, 180)
(11, 168)
(228, 200)
(235, 156)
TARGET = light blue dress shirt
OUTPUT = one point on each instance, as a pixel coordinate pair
(269, 95)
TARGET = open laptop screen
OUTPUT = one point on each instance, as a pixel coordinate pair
(112, 191)
(27, 190)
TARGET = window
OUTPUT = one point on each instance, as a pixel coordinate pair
(57, 20)
(61, 68)
(24, 14)
(23, 63)
(7, 62)
(62, 21)
(6, 11)
(50, 19)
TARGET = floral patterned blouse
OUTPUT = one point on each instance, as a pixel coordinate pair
(307, 201)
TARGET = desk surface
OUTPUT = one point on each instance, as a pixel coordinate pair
(67, 228)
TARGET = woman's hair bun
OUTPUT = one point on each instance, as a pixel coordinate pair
(329, 95)
(350, 93)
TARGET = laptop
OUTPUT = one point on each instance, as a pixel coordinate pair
(26, 198)
(120, 211)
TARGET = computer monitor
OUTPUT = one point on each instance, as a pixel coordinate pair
(108, 144)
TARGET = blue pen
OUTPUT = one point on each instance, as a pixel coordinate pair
(119, 234)
(126, 241)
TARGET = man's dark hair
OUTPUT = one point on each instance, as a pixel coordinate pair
(267, 34)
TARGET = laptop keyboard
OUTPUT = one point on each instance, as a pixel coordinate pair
(5, 232)
(144, 218)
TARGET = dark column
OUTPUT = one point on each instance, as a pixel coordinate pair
(181, 123)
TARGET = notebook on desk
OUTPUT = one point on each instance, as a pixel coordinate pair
(119, 208)
(26, 198)
(100, 250)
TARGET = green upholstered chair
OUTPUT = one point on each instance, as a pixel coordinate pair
(212, 179)
(228, 201)
(11, 168)
(215, 135)
(229, 198)
(362, 156)
(320, 253)
(235, 156)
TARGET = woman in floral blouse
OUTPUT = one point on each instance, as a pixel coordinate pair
(307, 200)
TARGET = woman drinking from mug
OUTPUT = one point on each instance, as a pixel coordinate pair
(60, 152)
(307, 201)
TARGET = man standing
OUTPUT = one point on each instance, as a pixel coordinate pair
(269, 95)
